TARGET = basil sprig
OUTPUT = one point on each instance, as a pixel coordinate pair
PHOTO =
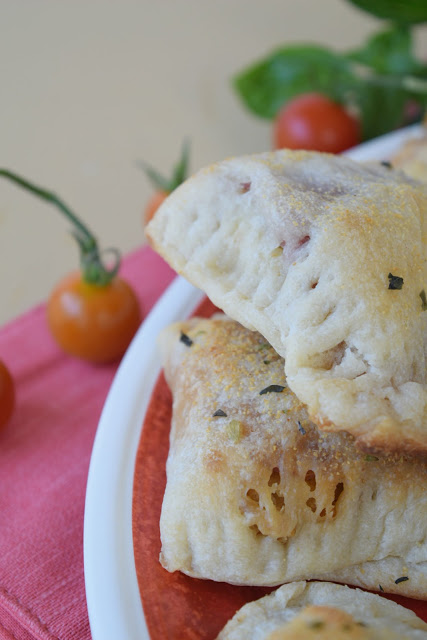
(267, 85)
(378, 80)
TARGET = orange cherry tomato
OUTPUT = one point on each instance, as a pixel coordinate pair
(314, 122)
(92, 322)
(153, 204)
(92, 314)
(7, 395)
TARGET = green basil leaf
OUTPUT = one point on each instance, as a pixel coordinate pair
(401, 11)
(388, 52)
(267, 85)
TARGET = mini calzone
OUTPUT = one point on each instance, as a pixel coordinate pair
(326, 258)
(323, 611)
(256, 495)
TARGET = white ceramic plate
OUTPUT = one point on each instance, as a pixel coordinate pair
(114, 605)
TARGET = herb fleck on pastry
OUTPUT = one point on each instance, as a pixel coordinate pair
(256, 495)
(323, 611)
(326, 258)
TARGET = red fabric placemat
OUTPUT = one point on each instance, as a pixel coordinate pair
(44, 459)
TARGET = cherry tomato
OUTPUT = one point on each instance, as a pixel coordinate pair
(316, 123)
(153, 204)
(92, 314)
(92, 322)
(7, 395)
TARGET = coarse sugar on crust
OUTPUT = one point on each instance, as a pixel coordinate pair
(326, 258)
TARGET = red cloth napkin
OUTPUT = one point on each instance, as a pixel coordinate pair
(44, 459)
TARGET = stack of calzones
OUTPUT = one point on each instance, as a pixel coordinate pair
(299, 434)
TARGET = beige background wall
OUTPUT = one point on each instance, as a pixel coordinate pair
(91, 86)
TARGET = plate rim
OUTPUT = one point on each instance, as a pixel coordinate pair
(112, 591)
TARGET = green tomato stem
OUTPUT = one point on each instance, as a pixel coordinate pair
(179, 174)
(411, 83)
(93, 269)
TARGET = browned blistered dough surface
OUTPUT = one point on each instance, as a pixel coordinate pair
(257, 495)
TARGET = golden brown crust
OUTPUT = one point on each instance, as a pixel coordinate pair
(257, 495)
(327, 623)
(326, 258)
(305, 611)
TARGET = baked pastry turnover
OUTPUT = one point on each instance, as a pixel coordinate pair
(256, 495)
(326, 258)
(412, 156)
(323, 611)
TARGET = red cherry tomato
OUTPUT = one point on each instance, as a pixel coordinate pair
(7, 395)
(92, 322)
(316, 123)
(153, 204)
